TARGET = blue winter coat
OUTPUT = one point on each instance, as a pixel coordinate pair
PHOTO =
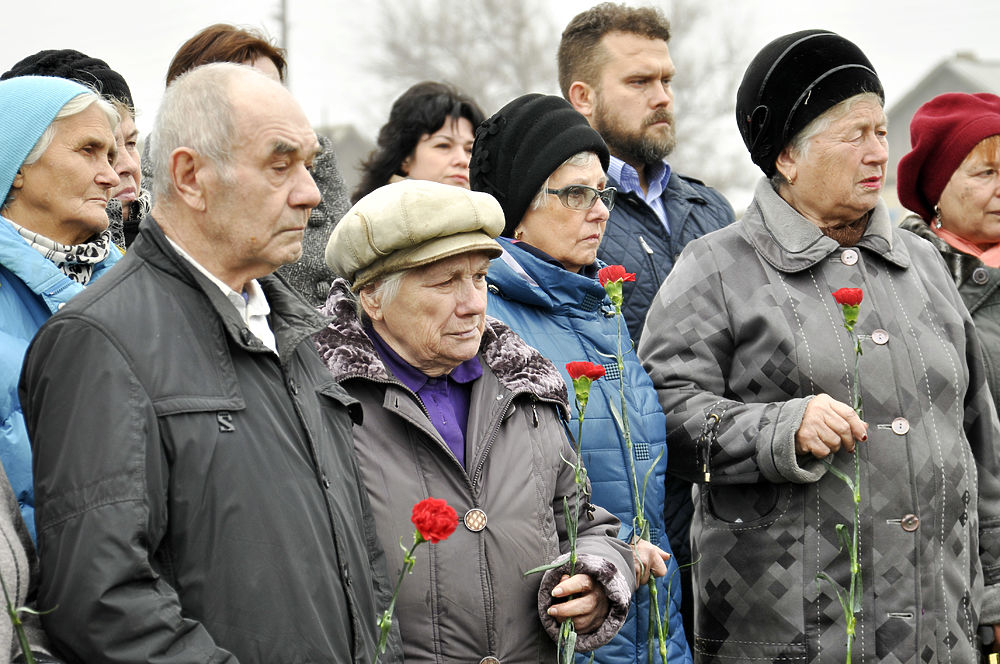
(568, 317)
(32, 288)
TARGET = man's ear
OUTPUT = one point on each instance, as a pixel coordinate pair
(583, 97)
(18, 180)
(187, 171)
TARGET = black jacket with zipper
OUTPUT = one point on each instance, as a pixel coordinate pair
(198, 495)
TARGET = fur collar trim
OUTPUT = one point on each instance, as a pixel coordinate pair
(348, 352)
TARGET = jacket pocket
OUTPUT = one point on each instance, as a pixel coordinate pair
(340, 396)
(744, 505)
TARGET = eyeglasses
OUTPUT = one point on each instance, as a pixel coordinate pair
(582, 197)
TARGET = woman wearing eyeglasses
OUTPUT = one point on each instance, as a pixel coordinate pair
(546, 166)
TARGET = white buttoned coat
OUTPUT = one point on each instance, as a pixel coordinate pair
(746, 328)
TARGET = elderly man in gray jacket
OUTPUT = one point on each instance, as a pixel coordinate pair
(198, 496)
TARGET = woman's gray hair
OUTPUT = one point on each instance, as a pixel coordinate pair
(799, 145)
(579, 159)
(74, 106)
(196, 112)
(384, 291)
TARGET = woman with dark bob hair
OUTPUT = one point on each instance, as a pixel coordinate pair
(429, 136)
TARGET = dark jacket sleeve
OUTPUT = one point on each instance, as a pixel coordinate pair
(984, 436)
(100, 477)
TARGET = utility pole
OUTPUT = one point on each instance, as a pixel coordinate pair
(282, 18)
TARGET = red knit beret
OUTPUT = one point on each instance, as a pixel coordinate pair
(943, 132)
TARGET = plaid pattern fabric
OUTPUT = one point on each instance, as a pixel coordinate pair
(747, 319)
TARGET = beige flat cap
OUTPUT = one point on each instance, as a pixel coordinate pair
(412, 223)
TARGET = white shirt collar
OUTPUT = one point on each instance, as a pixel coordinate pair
(251, 305)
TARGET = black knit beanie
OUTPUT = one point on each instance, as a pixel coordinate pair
(518, 148)
(791, 82)
(76, 66)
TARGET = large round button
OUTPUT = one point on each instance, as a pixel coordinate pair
(489, 659)
(910, 522)
(849, 257)
(880, 336)
(475, 519)
(980, 276)
(900, 425)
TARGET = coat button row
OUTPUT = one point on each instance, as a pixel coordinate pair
(880, 336)
(900, 426)
(980, 276)
(910, 522)
(489, 660)
(849, 257)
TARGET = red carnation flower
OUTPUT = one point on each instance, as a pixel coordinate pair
(588, 369)
(614, 273)
(849, 296)
(435, 519)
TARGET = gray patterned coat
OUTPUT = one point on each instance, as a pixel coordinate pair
(745, 326)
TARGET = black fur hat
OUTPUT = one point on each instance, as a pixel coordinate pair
(76, 66)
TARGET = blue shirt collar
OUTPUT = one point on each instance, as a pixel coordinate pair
(628, 178)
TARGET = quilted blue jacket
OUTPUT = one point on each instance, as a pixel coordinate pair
(635, 238)
(31, 289)
(568, 317)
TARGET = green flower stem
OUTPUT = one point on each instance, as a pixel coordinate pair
(851, 603)
(385, 622)
(15, 621)
(639, 524)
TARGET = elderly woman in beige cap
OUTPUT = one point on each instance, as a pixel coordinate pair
(458, 407)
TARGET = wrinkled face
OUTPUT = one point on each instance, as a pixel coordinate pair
(970, 202)
(436, 319)
(570, 236)
(127, 164)
(634, 104)
(64, 194)
(258, 210)
(840, 175)
(444, 155)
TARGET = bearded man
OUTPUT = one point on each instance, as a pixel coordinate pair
(615, 69)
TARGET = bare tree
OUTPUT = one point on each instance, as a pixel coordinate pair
(493, 50)
(710, 50)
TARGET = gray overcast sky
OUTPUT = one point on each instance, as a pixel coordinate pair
(330, 40)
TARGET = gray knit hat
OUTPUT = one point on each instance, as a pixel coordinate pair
(28, 104)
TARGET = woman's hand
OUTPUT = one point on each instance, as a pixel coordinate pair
(587, 609)
(648, 559)
(828, 425)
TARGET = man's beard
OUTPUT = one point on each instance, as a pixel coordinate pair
(636, 147)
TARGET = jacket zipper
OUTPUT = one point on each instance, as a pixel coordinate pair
(649, 255)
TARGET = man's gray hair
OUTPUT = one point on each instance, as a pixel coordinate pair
(196, 113)
(77, 104)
